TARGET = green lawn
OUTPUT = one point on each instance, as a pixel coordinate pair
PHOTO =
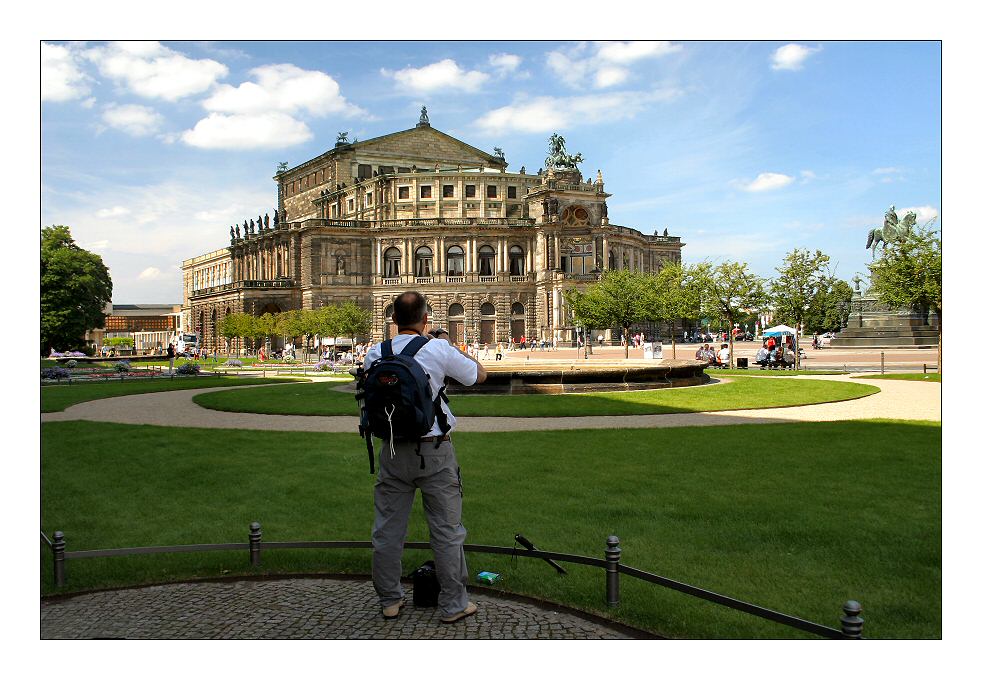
(920, 377)
(60, 397)
(795, 517)
(741, 393)
(775, 373)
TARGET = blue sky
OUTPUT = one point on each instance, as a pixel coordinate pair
(744, 149)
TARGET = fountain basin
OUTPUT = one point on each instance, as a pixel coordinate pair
(542, 377)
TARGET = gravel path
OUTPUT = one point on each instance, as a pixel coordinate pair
(897, 399)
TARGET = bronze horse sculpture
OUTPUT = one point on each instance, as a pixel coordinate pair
(893, 229)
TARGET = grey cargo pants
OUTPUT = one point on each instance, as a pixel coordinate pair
(395, 489)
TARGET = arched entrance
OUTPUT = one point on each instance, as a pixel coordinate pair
(455, 323)
(487, 323)
(517, 320)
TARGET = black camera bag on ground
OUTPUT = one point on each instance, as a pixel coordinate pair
(426, 587)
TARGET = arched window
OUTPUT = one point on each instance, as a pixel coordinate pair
(393, 262)
(487, 309)
(456, 309)
(516, 261)
(485, 261)
(424, 262)
(518, 309)
(455, 261)
(611, 259)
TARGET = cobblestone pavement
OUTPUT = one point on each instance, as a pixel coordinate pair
(897, 399)
(310, 608)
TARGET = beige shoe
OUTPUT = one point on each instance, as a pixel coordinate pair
(392, 611)
(454, 618)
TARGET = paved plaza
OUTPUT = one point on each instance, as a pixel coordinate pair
(303, 608)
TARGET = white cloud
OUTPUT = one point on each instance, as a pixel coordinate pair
(629, 52)
(149, 274)
(924, 212)
(544, 114)
(115, 211)
(605, 65)
(282, 87)
(791, 57)
(441, 75)
(610, 75)
(151, 70)
(247, 131)
(807, 176)
(766, 181)
(887, 171)
(61, 77)
(132, 119)
(505, 63)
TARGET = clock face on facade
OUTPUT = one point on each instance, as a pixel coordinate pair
(575, 216)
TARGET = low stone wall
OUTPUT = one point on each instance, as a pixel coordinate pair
(569, 378)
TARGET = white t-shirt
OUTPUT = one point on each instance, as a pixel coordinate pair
(439, 360)
(724, 354)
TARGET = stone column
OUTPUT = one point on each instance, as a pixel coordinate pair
(559, 256)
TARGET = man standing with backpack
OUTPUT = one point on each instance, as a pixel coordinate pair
(404, 405)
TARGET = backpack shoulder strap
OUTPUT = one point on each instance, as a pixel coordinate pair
(387, 348)
(414, 345)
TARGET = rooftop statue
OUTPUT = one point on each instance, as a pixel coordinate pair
(231, 233)
(342, 138)
(424, 119)
(499, 153)
(558, 158)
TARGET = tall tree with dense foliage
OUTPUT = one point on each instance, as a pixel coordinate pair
(829, 310)
(619, 299)
(677, 294)
(728, 290)
(75, 289)
(799, 282)
(908, 275)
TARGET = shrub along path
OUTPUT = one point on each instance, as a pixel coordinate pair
(896, 400)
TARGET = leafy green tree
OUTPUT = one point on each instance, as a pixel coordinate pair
(297, 323)
(730, 289)
(264, 327)
(354, 321)
(798, 283)
(908, 275)
(619, 299)
(326, 323)
(235, 325)
(75, 289)
(677, 294)
(829, 310)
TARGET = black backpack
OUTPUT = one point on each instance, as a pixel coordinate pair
(396, 400)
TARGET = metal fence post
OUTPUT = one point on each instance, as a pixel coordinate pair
(881, 363)
(852, 624)
(255, 543)
(58, 552)
(613, 555)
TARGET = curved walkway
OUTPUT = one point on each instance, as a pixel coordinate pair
(897, 399)
(311, 608)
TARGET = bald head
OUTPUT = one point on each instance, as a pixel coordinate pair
(409, 309)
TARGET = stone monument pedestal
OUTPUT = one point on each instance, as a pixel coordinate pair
(873, 325)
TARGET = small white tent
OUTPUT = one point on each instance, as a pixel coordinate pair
(779, 330)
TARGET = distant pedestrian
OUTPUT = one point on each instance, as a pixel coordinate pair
(170, 356)
(498, 352)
